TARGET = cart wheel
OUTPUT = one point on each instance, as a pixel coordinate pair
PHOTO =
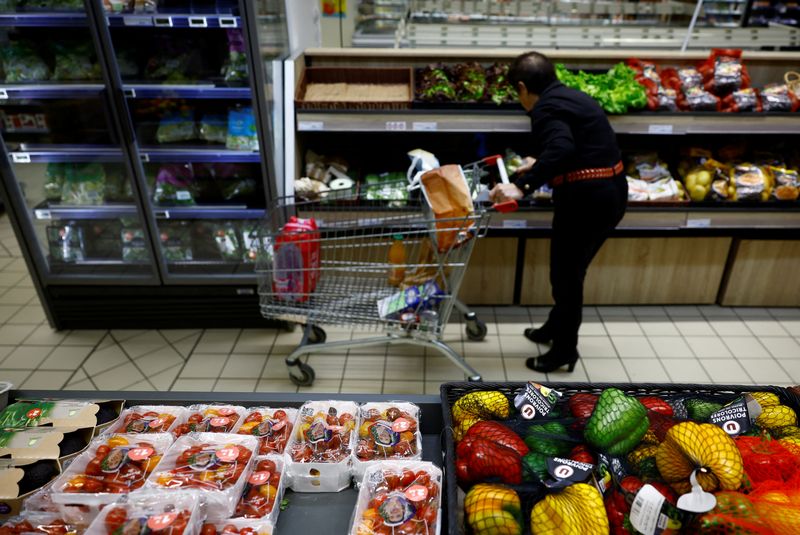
(317, 335)
(476, 332)
(307, 375)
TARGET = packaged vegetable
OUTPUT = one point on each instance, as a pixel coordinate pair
(74, 62)
(216, 464)
(470, 82)
(147, 419)
(251, 242)
(213, 128)
(227, 239)
(779, 98)
(21, 63)
(499, 89)
(176, 126)
(787, 183)
(264, 490)
(724, 72)
(434, 85)
(386, 431)
(272, 427)
(54, 181)
(238, 526)
(320, 447)
(690, 78)
(151, 513)
(637, 190)
(399, 497)
(742, 100)
(112, 465)
(698, 99)
(242, 133)
(751, 182)
(233, 190)
(134, 245)
(174, 185)
(66, 243)
(235, 68)
(392, 187)
(41, 523)
(118, 188)
(84, 184)
(176, 242)
(647, 167)
(617, 91)
(210, 419)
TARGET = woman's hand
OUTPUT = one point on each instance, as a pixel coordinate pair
(505, 192)
(527, 163)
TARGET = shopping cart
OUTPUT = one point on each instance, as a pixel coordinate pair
(335, 269)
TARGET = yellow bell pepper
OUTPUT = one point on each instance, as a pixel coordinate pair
(476, 406)
(493, 509)
(576, 510)
(776, 416)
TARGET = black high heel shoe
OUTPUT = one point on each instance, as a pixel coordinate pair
(542, 335)
(553, 360)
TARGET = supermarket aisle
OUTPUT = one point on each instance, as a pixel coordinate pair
(619, 344)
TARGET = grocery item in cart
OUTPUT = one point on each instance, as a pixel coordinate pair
(151, 513)
(321, 445)
(272, 427)
(413, 299)
(216, 464)
(146, 419)
(399, 497)
(448, 195)
(211, 419)
(297, 260)
(386, 431)
(112, 465)
(264, 490)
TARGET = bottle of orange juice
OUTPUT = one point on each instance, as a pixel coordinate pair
(397, 257)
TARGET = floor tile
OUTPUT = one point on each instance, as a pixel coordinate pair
(243, 366)
(142, 344)
(765, 371)
(193, 385)
(433, 388)
(785, 313)
(658, 328)
(592, 328)
(121, 335)
(46, 380)
(176, 335)
(355, 386)
(685, 371)
(403, 387)
(329, 366)
(515, 328)
(141, 386)
(683, 311)
(365, 367)
(275, 368)
(623, 328)
(744, 347)
(80, 385)
(159, 360)
(645, 370)
(65, 358)
(768, 327)
(438, 368)
(44, 335)
(117, 378)
(203, 366)
(694, 328)
(671, 347)
(187, 345)
(11, 278)
(106, 342)
(725, 371)
(408, 350)
(706, 347)
(217, 341)
(17, 265)
(791, 326)
(649, 312)
(517, 371)
(614, 312)
(605, 371)
(18, 296)
(83, 338)
(79, 375)
(792, 366)
(490, 368)
(400, 368)
(730, 327)
(15, 334)
(258, 341)
(633, 346)
(5, 351)
(782, 347)
(752, 313)
(163, 380)
(596, 346)
(489, 347)
(26, 357)
(717, 312)
(105, 359)
(327, 386)
(15, 377)
(235, 385)
(514, 344)
(561, 375)
(275, 385)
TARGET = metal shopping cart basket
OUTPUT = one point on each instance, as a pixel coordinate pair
(325, 262)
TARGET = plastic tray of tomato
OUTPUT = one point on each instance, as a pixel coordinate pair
(273, 427)
(238, 526)
(147, 419)
(321, 445)
(386, 431)
(399, 498)
(216, 464)
(35, 522)
(210, 419)
(111, 465)
(264, 490)
(151, 513)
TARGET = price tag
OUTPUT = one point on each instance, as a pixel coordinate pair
(698, 223)
(162, 521)
(310, 126)
(226, 411)
(129, 92)
(158, 422)
(401, 425)
(140, 454)
(424, 126)
(43, 214)
(198, 22)
(162, 214)
(20, 157)
(259, 478)
(227, 455)
(3, 94)
(227, 22)
(163, 21)
(132, 20)
(660, 129)
(416, 493)
(220, 421)
(515, 223)
(396, 126)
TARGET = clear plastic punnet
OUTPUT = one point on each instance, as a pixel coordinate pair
(217, 464)
(210, 419)
(263, 492)
(318, 455)
(43, 523)
(152, 513)
(146, 419)
(273, 427)
(110, 466)
(399, 497)
(239, 526)
(386, 431)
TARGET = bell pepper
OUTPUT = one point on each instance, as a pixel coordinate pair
(774, 416)
(478, 459)
(619, 500)
(575, 510)
(656, 404)
(582, 454)
(476, 406)
(734, 513)
(492, 509)
(497, 432)
(617, 424)
(581, 405)
(550, 438)
(534, 467)
(700, 410)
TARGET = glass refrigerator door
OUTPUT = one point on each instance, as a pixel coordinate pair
(184, 72)
(67, 175)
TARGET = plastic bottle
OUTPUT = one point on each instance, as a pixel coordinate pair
(397, 257)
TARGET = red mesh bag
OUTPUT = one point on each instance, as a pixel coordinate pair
(768, 460)
(734, 513)
(778, 504)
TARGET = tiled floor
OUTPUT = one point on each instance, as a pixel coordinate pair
(618, 344)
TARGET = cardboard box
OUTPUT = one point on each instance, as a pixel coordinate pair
(67, 414)
(11, 480)
(27, 445)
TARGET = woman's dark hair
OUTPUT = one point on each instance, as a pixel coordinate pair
(534, 70)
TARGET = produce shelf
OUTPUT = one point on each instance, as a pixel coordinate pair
(64, 153)
(186, 91)
(175, 21)
(209, 212)
(47, 211)
(155, 154)
(47, 91)
(513, 121)
(43, 20)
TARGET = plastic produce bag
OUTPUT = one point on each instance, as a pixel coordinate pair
(73, 62)
(778, 98)
(146, 513)
(637, 190)
(751, 182)
(174, 185)
(214, 128)
(216, 464)
(66, 243)
(386, 431)
(272, 427)
(48, 523)
(210, 419)
(239, 526)
(251, 243)
(148, 419)
(448, 195)
(118, 187)
(176, 126)
(22, 64)
(54, 181)
(264, 490)
(227, 238)
(724, 72)
(242, 133)
(84, 184)
(134, 245)
(787, 183)
(698, 99)
(235, 69)
(742, 100)
(176, 243)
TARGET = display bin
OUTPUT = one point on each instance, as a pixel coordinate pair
(450, 392)
(372, 76)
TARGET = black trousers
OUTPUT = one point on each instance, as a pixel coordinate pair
(585, 214)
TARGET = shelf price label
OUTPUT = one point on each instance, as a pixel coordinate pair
(662, 129)
(20, 157)
(41, 213)
(227, 22)
(133, 20)
(198, 22)
(396, 126)
(3, 94)
(164, 22)
(698, 223)
(310, 126)
(424, 126)
(515, 223)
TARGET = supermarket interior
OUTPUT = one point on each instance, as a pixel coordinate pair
(267, 234)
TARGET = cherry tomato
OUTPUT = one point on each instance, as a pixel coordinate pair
(94, 468)
(267, 465)
(407, 478)
(195, 418)
(208, 529)
(279, 414)
(102, 451)
(115, 518)
(254, 417)
(247, 531)
(392, 480)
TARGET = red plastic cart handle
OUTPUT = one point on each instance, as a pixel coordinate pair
(491, 160)
(506, 207)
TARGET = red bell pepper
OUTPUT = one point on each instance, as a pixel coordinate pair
(582, 454)
(656, 404)
(497, 432)
(479, 459)
(581, 405)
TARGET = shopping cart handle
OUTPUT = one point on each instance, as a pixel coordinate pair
(506, 207)
(491, 160)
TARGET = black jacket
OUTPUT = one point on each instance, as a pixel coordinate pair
(570, 132)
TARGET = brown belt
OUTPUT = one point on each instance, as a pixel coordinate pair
(588, 174)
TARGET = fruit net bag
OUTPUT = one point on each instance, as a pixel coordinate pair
(319, 452)
(210, 419)
(399, 497)
(386, 431)
(41, 523)
(146, 419)
(272, 427)
(217, 464)
(238, 526)
(264, 490)
(151, 513)
(111, 465)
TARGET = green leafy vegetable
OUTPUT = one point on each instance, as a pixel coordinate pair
(617, 91)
